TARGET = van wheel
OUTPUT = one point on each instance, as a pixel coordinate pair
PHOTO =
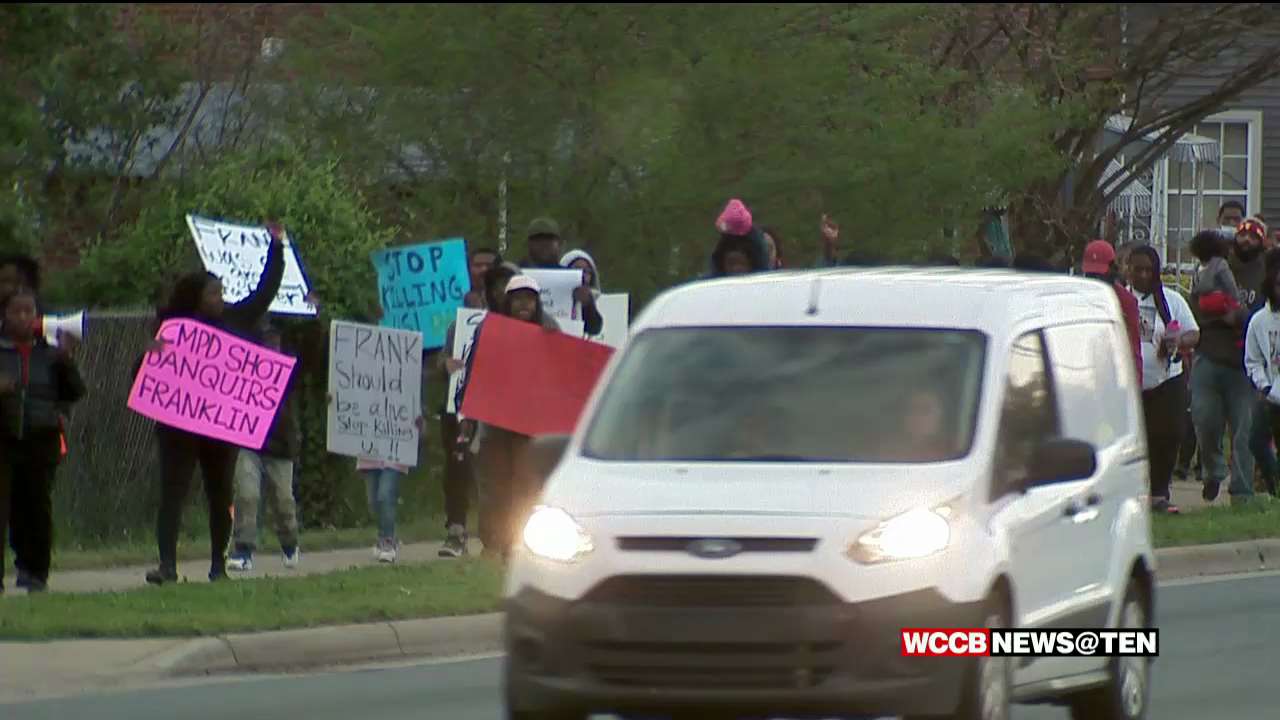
(988, 689)
(1128, 692)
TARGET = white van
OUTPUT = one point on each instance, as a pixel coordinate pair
(778, 473)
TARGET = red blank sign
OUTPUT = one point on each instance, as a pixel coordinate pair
(530, 380)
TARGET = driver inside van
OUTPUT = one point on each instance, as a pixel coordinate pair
(924, 434)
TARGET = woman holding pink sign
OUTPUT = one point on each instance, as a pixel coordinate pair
(198, 296)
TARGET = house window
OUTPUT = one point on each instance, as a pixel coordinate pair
(1237, 175)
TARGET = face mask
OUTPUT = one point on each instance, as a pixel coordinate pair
(1228, 230)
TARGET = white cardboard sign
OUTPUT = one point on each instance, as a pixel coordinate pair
(375, 380)
(237, 254)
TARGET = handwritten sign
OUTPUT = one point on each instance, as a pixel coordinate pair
(464, 335)
(211, 383)
(422, 286)
(557, 291)
(375, 380)
(530, 381)
(237, 254)
(616, 311)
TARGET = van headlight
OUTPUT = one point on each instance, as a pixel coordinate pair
(552, 534)
(912, 535)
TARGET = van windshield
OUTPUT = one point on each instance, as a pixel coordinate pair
(791, 394)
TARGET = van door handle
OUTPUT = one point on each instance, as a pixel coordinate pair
(1081, 514)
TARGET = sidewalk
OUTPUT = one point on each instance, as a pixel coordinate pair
(1186, 495)
(266, 564)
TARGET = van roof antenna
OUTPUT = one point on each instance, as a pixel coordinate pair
(814, 290)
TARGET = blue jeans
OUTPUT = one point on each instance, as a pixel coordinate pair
(383, 488)
(1222, 396)
(1260, 442)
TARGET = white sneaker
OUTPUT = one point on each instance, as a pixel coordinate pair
(291, 560)
(387, 550)
(240, 563)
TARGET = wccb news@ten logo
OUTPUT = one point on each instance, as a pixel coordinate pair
(974, 642)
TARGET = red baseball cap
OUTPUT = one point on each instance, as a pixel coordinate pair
(1098, 257)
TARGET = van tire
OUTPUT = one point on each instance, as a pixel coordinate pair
(1127, 694)
(988, 685)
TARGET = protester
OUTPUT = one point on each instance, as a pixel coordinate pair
(272, 467)
(1221, 393)
(36, 382)
(1100, 264)
(1260, 434)
(198, 296)
(1262, 356)
(585, 296)
(773, 247)
(18, 270)
(735, 255)
(479, 263)
(1230, 215)
(507, 489)
(830, 242)
(382, 490)
(543, 245)
(739, 237)
(1168, 329)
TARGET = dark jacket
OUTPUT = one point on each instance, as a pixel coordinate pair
(284, 440)
(46, 384)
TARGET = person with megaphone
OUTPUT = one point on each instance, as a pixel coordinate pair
(37, 381)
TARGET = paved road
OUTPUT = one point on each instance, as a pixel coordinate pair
(1218, 641)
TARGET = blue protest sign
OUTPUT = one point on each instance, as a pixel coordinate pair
(422, 287)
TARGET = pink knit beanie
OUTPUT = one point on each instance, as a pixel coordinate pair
(735, 220)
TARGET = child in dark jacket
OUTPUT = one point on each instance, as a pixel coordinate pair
(37, 382)
(272, 468)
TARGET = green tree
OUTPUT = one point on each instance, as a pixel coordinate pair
(635, 123)
(77, 98)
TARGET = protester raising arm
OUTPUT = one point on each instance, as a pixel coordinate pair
(250, 311)
(585, 295)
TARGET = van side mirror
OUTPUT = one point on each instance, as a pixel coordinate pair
(545, 453)
(1061, 461)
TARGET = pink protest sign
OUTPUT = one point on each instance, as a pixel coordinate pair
(211, 383)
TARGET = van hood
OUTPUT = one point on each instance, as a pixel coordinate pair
(586, 488)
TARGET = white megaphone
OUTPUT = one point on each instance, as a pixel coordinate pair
(53, 327)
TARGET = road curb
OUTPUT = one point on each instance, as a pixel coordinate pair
(286, 650)
(1220, 559)
(334, 646)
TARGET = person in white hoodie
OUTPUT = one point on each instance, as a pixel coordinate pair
(1167, 329)
(585, 296)
(1262, 350)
